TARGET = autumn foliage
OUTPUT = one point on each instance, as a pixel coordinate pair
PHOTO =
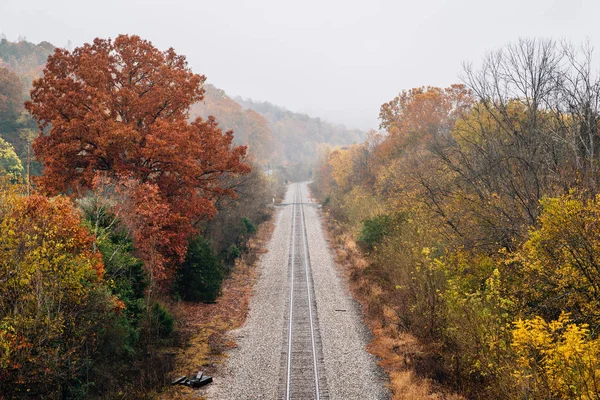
(477, 206)
(52, 302)
(119, 109)
(88, 255)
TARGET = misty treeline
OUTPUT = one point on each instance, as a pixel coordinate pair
(115, 204)
(20, 63)
(299, 138)
(478, 209)
(281, 140)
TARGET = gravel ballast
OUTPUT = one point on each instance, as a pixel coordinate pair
(254, 368)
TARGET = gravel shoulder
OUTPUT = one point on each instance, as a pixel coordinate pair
(352, 372)
(253, 369)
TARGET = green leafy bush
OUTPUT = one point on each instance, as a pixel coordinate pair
(249, 226)
(231, 254)
(374, 230)
(163, 320)
(124, 273)
(201, 274)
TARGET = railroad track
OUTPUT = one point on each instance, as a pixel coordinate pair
(303, 374)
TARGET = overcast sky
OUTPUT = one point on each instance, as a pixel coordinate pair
(339, 60)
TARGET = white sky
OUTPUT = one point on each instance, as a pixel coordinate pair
(339, 60)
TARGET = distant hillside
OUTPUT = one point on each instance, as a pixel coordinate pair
(249, 127)
(276, 136)
(299, 135)
(20, 63)
(25, 59)
(317, 129)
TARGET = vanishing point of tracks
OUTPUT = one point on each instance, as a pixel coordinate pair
(303, 376)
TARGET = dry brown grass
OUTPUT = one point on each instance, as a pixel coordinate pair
(206, 325)
(399, 353)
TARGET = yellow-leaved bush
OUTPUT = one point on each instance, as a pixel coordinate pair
(556, 359)
(52, 299)
(561, 259)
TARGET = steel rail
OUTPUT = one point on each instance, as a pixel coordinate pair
(298, 214)
(312, 329)
(291, 311)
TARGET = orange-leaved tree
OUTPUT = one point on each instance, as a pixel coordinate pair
(120, 109)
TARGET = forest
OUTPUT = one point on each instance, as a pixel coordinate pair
(122, 198)
(131, 190)
(470, 221)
